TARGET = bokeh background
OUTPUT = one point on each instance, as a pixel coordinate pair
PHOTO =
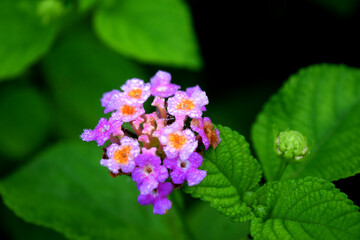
(57, 58)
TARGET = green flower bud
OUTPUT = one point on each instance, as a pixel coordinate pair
(291, 146)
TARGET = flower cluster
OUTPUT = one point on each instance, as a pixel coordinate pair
(162, 149)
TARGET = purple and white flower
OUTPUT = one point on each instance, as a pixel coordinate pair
(186, 169)
(158, 198)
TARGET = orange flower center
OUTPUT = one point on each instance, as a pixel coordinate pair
(122, 155)
(127, 110)
(185, 104)
(176, 140)
(135, 93)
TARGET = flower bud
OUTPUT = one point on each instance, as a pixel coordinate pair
(291, 146)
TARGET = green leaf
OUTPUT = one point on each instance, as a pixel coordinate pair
(79, 71)
(159, 32)
(232, 173)
(309, 208)
(323, 103)
(17, 229)
(66, 189)
(25, 120)
(24, 36)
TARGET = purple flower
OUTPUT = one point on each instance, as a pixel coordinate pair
(149, 172)
(204, 128)
(161, 86)
(121, 156)
(102, 131)
(186, 169)
(106, 99)
(135, 91)
(178, 142)
(183, 104)
(158, 197)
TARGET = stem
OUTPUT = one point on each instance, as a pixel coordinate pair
(281, 169)
(181, 212)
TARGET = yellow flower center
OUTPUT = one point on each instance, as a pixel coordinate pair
(135, 93)
(128, 110)
(122, 155)
(177, 141)
(185, 104)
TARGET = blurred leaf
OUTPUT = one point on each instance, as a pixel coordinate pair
(206, 223)
(80, 70)
(85, 5)
(309, 208)
(20, 230)
(321, 102)
(25, 120)
(339, 7)
(24, 36)
(159, 32)
(66, 189)
(231, 173)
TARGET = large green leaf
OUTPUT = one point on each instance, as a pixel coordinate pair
(25, 120)
(159, 32)
(17, 229)
(232, 173)
(323, 103)
(302, 209)
(66, 189)
(24, 37)
(79, 70)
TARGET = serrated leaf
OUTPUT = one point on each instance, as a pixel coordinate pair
(231, 173)
(323, 103)
(24, 36)
(66, 189)
(79, 71)
(302, 209)
(159, 32)
(25, 120)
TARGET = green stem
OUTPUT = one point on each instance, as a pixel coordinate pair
(281, 169)
(181, 212)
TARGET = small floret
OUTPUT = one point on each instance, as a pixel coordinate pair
(184, 105)
(158, 198)
(121, 157)
(161, 86)
(186, 169)
(149, 172)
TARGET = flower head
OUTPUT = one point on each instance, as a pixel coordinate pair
(186, 169)
(184, 105)
(161, 86)
(158, 197)
(121, 156)
(178, 142)
(149, 172)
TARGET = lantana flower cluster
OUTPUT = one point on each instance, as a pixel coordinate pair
(163, 149)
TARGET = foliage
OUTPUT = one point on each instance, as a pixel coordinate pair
(57, 58)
